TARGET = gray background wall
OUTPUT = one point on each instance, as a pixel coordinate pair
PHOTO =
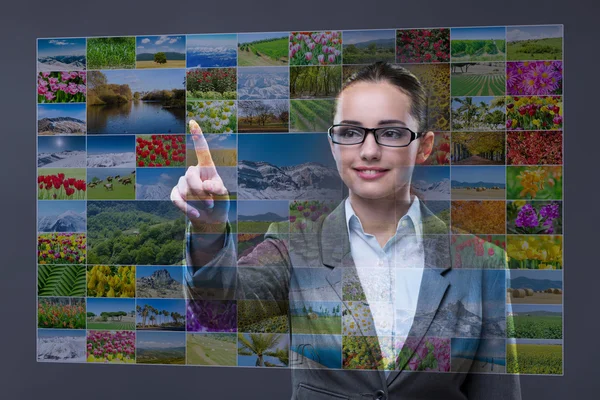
(21, 22)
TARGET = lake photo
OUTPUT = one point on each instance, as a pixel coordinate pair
(136, 102)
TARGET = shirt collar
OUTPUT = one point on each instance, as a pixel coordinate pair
(413, 213)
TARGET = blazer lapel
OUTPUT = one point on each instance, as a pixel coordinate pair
(335, 253)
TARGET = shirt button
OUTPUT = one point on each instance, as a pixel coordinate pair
(403, 223)
(380, 395)
(380, 263)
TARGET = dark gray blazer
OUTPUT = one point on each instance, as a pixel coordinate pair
(268, 272)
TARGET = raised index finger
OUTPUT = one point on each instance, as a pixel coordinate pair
(201, 147)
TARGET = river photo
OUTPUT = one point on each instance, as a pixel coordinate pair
(136, 102)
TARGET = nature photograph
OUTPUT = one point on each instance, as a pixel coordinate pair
(110, 183)
(478, 183)
(110, 314)
(432, 354)
(316, 351)
(478, 217)
(534, 113)
(534, 356)
(211, 50)
(312, 284)
(61, 312)
(114, 347)
(423, 45)
(357, 320)
(211, 84)
(260, 316)
(139, 101)
(61, 54)
(315, 48)
(431, 183)
(216, 315)
(534, 78)
(160, 151)
(111, 52)
(61, 119)
(311, 115)
(316, 317)
(440, 153)
(535, 321)
(219, 116)
(534, 42)
(61, 280)
(368, 353)
(111, 151)
(305, 215)
(248, 254)
(287, 167)
(534, 148)
(160, 314)
(534, 251)
(264, 48)
(441, 210)
(478, 44)
(534, 217)
(63, 346)
(61, 184)
(159, 52)
(62, 87)
(160, 348)
(256, 216)
(478, 148)
(111, 281)
(478, 113)
(478, 79)
(159, 282)
(61, 216)
(211, 349)
(61, 152)
(263, 350)
(535, 287)
(258, 116)
(314, 82)
(135, 232)
(478, 251)
(156, 183)
(534, 183)
(222, 149)
(365, 47)
(263, 83)
(478, 355)
(62, 248)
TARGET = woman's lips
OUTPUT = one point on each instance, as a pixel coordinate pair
(371, 174)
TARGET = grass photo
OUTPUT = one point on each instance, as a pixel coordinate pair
(316, 317)
(268, 49)
(111, 52)
(211, 349)
(534, 42)
(535, 321)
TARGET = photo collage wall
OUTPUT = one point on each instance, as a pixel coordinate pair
(113, 140)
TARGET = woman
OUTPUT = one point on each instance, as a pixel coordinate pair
(378, 136)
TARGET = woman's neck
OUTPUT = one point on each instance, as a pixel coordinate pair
(381, 216)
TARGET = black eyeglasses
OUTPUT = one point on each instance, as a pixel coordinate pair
(391, 136)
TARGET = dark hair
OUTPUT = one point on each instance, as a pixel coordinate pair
(400, 77)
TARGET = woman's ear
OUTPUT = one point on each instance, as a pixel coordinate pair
(425, 147)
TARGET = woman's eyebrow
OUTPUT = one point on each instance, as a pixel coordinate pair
(382, 122)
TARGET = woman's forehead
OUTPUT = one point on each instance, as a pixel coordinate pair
(369, 103)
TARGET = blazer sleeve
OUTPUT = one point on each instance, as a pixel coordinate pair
(490, 385)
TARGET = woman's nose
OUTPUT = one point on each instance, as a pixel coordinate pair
(369, 148)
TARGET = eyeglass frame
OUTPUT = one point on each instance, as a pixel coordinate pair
(414, 135)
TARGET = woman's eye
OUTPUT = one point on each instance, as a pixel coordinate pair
(393, 133)
(350, 133)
